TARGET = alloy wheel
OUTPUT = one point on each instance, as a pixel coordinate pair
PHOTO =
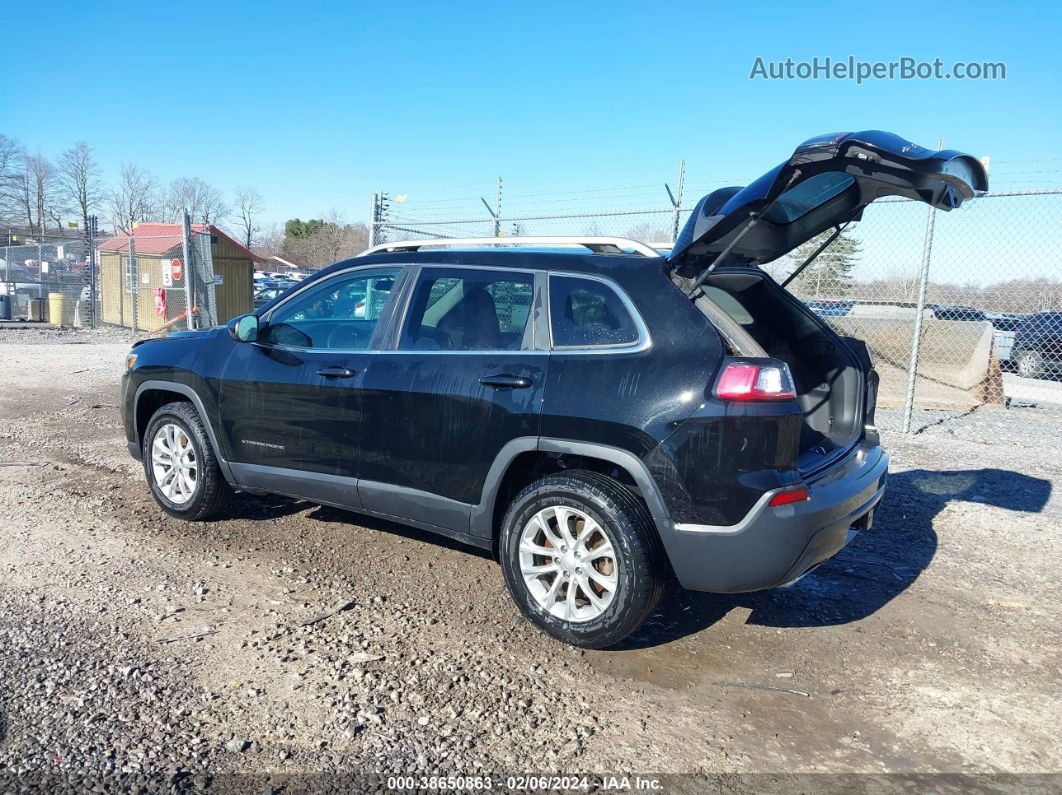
(174, 463)
(568, 563)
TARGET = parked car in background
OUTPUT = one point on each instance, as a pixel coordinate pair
(958, 312)
(264, 296)
(602, 421)
(1004, 328)
(1037, 349)
(830, 308)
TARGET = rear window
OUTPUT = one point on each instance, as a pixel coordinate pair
(588, 313)
(808, 195)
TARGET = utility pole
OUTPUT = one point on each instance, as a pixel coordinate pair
(676, 201)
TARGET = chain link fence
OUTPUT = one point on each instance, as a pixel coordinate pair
(46, 273)
(962, 311)
(154, 279)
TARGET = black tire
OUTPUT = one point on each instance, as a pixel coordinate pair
(619, 511)
(1030, 364)
(211, 491)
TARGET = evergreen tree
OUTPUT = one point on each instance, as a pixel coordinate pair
(830, 274)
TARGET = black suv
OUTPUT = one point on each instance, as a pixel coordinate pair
(602, 420)
(1037, 350)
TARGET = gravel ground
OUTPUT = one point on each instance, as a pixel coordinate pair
(286, 639)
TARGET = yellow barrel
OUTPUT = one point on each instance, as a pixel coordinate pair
(56, 308)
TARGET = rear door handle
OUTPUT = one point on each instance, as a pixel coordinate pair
(335, 372)
(505, 381)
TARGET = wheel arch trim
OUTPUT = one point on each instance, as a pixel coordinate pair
(197, 402)
(481, 519)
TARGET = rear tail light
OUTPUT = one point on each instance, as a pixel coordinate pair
(744, 381)
(789, 496)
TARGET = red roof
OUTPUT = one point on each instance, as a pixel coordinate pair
(152, 238)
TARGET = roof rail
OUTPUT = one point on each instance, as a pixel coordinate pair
(598, 245)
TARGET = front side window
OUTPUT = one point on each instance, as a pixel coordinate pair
(455, 309)
(587, 313)
(340, 313)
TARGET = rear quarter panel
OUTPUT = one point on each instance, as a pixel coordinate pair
(634, 400)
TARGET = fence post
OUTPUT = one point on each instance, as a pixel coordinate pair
(90, 235)
(374, 217)
(676, 201)
(497, 210)
(920, 307)
(134, 277)
(186, 250)
(40, 276)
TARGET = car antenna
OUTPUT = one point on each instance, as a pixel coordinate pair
(837, 230)
(695, 287)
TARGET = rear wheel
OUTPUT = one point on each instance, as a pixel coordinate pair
(581, 559)
(180, 465)
(1030, 364)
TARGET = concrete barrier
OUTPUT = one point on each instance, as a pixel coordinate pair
(957, 365)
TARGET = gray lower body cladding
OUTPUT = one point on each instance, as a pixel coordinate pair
(772, 545)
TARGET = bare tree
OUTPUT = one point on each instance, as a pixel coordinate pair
(31, 188)
(205, 203)
(248, 206)
(10, 150)
(269, 241)
(79, 180)
(333, 241)
(133, 199)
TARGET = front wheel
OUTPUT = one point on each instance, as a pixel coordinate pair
(580, 557)
(180, 465)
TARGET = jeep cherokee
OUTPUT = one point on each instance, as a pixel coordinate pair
(602, 419)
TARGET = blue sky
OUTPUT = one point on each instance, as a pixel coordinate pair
(317, 104)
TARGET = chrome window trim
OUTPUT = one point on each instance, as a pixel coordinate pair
(643, 343)
(268, 316)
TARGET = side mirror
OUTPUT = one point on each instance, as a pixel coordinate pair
(244, 328)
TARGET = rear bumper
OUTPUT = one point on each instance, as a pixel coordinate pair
(774, 546)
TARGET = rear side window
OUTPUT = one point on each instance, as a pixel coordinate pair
(470, 310)
(586, 313)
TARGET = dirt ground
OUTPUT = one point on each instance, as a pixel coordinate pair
(138, 648)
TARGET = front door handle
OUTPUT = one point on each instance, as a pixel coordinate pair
(335, 372)
(505, 381)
